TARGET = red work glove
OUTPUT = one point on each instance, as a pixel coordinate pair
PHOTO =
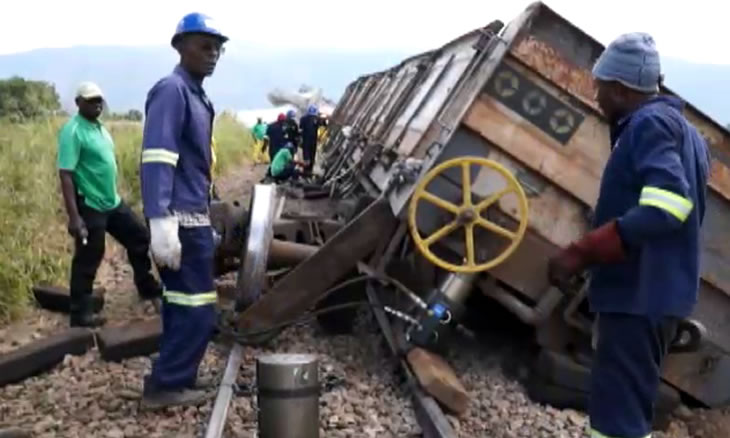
(602, 245)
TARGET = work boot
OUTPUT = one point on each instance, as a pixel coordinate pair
(154, 400)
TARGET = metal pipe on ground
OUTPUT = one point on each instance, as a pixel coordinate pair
(288, 396)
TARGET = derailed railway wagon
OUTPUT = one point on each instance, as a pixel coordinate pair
(489, 151)
(455, 175)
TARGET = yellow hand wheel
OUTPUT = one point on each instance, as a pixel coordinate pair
(467, 215)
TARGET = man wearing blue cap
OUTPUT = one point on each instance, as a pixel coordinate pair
(176, 181)
(291, 129)
(644, 249)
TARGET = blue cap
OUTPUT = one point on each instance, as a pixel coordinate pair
(632, 60)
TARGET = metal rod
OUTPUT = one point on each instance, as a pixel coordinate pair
(225, 392)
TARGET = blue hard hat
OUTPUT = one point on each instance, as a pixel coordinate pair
(312, 109)
(196, 22)
(291, 113)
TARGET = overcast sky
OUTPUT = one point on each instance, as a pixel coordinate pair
(682, 31)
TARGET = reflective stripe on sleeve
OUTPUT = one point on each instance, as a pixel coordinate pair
(597, 434)
(190, 300)
(159, 156)
(674, 204)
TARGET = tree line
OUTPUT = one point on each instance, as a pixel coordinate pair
(23, 100)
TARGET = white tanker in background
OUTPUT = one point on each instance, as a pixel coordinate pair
(283, 101)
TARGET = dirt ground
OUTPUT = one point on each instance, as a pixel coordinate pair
(36, 403)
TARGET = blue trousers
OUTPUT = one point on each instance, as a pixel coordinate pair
(188, 312)
(626, 372)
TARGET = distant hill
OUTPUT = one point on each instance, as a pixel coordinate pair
(242, 79)
(245, 74)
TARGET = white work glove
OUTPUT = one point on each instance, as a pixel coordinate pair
(165, 243)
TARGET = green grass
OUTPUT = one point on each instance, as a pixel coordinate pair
(34, 244)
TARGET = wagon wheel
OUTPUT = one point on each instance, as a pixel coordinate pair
(467, 215)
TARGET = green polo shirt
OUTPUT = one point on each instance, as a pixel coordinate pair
(259, 131)
(86, 148)
(281, 161)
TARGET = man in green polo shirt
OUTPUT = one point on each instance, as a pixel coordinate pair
(88, 172)
(283, 166)
(259, 132)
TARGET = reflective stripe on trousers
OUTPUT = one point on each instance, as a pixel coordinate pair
(191, 300)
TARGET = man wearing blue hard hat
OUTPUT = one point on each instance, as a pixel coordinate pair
(176, 185)
(291, 129)
(309, 125)
(644, 249)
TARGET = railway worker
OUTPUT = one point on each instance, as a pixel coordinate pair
(309, 125)
(644, 249)
(322, 131)
(291, 129)
(88, 174)
(275, 137)
(259, 132)
(176, 182)
(284, 166)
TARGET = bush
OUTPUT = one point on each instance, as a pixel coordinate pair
(35, 246)
(22, 100)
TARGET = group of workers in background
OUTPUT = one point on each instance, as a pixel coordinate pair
(282, 139)
(644, 249)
